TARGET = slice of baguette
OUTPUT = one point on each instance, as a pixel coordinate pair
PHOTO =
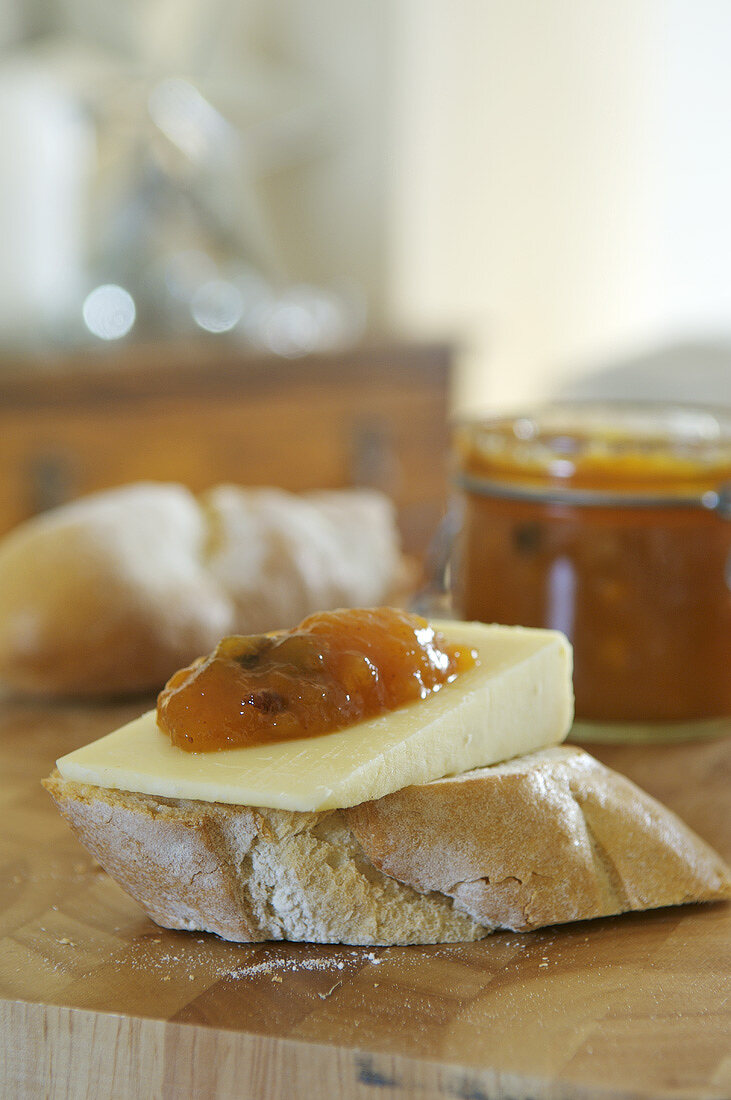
(547, 838)
(113, 593)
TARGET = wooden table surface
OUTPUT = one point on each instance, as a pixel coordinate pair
(96, 1001)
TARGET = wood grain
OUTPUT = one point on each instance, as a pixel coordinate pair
(96, 1001)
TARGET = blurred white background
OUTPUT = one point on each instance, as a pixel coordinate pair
(544, 181)
(562, 190)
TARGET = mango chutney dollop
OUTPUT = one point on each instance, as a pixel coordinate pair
(335, 669)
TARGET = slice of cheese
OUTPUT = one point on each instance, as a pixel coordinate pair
(518, 699)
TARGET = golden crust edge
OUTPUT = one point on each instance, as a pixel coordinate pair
(543, 840)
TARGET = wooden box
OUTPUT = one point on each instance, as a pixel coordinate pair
(207, 413)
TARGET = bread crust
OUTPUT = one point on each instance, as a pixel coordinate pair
(544, 839)
(551, 837)
(113, 593)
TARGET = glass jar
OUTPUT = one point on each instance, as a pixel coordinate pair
(611, 523)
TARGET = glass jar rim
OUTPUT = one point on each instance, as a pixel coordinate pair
(599, 452)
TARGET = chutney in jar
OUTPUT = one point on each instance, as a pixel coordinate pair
(610, 523)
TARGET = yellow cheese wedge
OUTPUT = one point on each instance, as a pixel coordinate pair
(518, 699)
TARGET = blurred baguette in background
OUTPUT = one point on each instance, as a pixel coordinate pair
(112, 593)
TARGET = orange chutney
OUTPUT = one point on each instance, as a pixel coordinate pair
(336, 668)
(610, 523)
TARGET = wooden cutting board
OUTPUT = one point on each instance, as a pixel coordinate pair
(96, 1001)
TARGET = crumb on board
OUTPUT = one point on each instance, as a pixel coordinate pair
(220, 964)
(324, 996)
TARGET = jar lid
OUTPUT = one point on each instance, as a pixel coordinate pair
(616, 449)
